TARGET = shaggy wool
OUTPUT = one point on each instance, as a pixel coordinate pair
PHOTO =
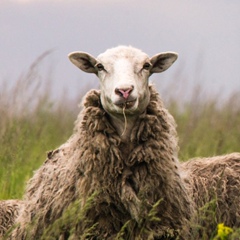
(129, 178)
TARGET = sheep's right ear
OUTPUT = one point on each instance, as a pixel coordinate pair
(84, 61)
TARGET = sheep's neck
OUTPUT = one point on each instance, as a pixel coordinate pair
(122, 127)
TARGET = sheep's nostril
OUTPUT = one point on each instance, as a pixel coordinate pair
(123, 92)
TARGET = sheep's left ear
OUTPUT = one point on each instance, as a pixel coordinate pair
(162, 61)
(84, 61)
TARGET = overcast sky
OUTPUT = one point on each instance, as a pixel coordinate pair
(206, 34)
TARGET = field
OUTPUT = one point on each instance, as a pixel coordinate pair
(31, 124)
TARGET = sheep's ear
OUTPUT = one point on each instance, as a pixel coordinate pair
(162, 61)
(84, 61)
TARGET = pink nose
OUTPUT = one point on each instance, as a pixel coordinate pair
(124, 92)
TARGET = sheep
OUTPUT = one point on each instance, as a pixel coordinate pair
(124, 152)
(214, 186)
(124, 148)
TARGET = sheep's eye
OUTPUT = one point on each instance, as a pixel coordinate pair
(146, 66)
(100, 67)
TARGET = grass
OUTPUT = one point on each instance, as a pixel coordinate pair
(207, 129)
(31, 124)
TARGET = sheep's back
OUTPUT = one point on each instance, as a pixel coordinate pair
(214, 183)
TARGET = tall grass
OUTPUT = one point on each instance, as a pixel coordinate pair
(30, 125)
(207, 127)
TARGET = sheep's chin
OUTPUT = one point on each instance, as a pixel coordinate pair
(130, 109)
(126, 105)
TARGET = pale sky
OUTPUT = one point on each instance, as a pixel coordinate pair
(206, 34)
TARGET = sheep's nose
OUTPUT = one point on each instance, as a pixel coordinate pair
(124, 92)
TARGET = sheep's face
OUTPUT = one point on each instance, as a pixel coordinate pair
(123, 74)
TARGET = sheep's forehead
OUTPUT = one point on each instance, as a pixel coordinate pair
(130, 54)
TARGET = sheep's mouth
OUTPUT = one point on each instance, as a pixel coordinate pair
(127, 104)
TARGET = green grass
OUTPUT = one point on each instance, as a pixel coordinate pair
(31, 124)
(207, 129)
(24, 144)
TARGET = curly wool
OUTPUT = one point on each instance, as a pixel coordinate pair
(129, 178)
(9, 210)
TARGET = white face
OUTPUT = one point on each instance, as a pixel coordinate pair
(123, 74)
(124, 83)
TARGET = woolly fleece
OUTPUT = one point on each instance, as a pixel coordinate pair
(129, 178)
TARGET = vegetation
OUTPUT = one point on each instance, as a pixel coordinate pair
(206, 128)
(31, 124)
